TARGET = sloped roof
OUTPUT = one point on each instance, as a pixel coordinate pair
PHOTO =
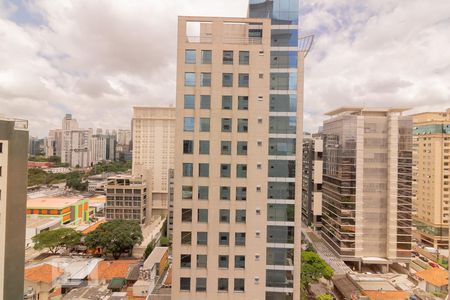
(387, 295)
(435, 276)
(107, 270)
(43, 273)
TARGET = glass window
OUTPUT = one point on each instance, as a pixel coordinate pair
(282, 146)
(227, 57)
(224, 238)
(242, 125)
(203, 192)
(188, 169)
(185, 283)
(189, 101)
(279, 278)
(241, 170)
(200, 284)
(244, 57)
(206, 57)
(225, 147)
(241, 193)
(243, 80)
(280, 212)
(186, 192)
(281, 190)
(283, 81)
(205, 79)
(227, 102)
(222, 284)
(185, 260)
(284, 37)
(188, 124)
(239, 238)
(239, 285)
(281, 168)
(204, 124)
(280, 256)
(227, 79)
(242, 148)
(188, 146)
(243, 102)
(203, 170)
(223, 261)
(189, 79)
(189, 56)
(226, 125)
(283, 59)
(224, 216)
(283, 103)
(239, 261)
(202, 216)
(280, 234)
(224, 193)
(225, 170)
(287, 125)
(186, 215)
(202, 238)
(205, 102)
(203, 147)
(240, 215)
(202, 261)
(186, 237)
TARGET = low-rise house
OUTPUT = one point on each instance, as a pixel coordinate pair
(151, 271)
(40, 281)
(105, 271)
(433, 280)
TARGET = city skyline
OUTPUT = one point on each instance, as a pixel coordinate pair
(362, 55)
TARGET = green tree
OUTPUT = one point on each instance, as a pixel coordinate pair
(57, 239)
(115, 237)
(74, 180)
(149, 249)
(324, 297)
(314, 268)
(164, 241)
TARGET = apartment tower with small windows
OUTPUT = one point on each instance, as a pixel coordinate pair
(367, 186)
(236, 205)
(431, 176)
(13, 198)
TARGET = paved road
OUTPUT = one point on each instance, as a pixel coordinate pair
(337, 264)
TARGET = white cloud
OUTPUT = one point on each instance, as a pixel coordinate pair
(96, 59)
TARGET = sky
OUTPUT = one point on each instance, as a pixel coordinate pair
(98, 59)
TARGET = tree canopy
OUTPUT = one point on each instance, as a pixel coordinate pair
(324, 297)
(56, 239)
(314, 268)
(115, 237)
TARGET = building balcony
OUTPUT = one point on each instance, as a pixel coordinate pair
(225, 40)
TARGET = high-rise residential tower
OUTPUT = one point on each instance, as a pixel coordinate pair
(13, 197)
(366, 191)
(431, 176)
(236, 206)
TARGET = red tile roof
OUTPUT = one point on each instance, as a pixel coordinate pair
(43, 273)
(109, 269)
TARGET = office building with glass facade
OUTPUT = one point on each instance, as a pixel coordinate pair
(367, 159)
(236, 206)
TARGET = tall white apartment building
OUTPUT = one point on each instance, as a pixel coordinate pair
(153, 144)
(238, 159)
(13, 194)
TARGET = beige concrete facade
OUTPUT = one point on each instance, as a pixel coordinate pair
(13, 191)
(153, 144)
(431, 178)
(221, 150)
(367, 185)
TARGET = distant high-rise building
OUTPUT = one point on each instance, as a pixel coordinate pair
(236, 205)
(432, 177)
(53, 143)
(35, 146)
(153, 144)
(97, 148)
(13, 196)
(312, 181)
(124, 136)
(366, 190)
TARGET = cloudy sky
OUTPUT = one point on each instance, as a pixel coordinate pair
(98, 58)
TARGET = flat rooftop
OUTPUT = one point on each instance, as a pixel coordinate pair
(41, 222)
(155, 257)
(53, 202)
(362, 109)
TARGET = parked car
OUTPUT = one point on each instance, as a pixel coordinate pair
(434, 265)
(423, 258)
